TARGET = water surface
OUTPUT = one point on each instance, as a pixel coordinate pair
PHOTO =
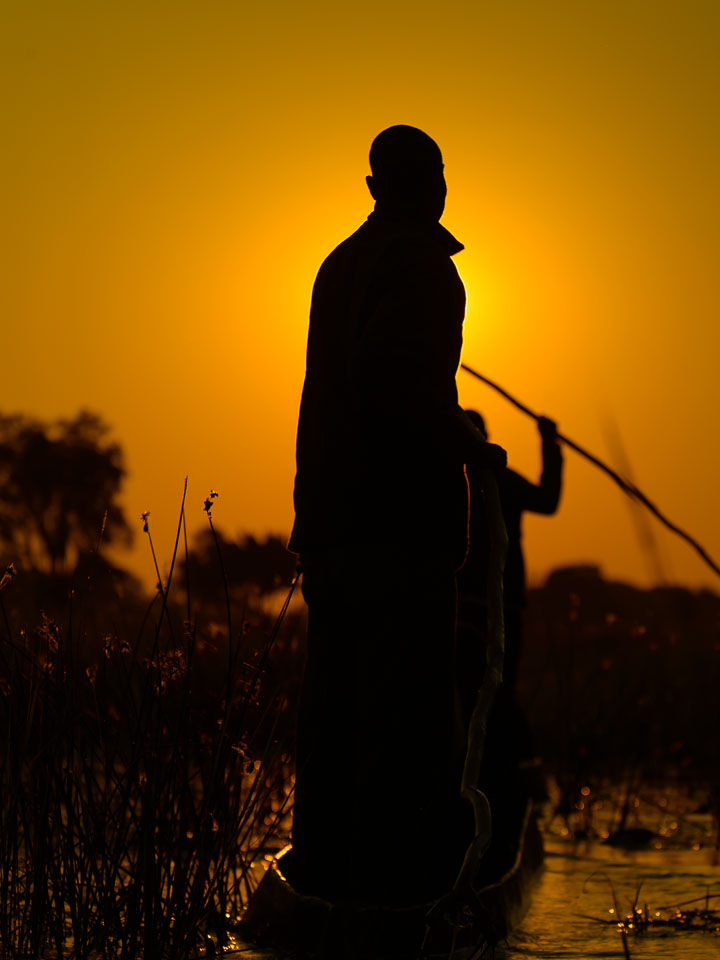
(575, 903)
(586, 885)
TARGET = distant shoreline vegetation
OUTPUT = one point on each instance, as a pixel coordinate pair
(618, 683)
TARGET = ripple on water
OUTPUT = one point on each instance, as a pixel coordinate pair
(583, 885)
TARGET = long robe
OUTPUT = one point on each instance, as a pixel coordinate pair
(381, 526)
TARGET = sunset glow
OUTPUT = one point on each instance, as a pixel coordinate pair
(174, 174)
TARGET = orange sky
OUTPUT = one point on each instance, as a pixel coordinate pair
(174, 173)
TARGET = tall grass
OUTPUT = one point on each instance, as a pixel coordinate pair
(139, 781)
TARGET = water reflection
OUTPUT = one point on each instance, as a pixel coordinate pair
(584, 887)
(646, 847)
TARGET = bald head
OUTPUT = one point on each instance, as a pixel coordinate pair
(407, 173)
(402, 149)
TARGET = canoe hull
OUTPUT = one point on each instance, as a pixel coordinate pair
(279, 915)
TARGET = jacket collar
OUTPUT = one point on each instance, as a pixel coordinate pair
(435, 232)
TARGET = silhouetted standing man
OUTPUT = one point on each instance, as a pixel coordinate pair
(380, 524)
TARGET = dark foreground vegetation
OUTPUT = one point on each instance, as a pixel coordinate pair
(144, 766)
(145, 763)
(143, 775)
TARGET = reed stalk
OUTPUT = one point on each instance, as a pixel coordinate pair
(134, 803)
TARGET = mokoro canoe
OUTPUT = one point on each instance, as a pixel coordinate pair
(278, 915)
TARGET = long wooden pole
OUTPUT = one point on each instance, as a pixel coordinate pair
(629, 488)
(462, 895)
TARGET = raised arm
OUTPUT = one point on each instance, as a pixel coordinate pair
(544, 497)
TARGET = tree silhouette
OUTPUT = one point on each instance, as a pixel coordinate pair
(251, 565)
(59, 484)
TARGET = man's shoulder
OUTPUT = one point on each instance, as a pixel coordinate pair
(513, 485)
(348, 249)
(382, 255)
(397, 239)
